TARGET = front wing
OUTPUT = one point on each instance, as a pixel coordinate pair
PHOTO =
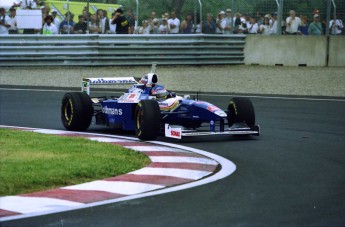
(236, 129)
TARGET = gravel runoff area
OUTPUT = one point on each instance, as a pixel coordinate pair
(269, 80)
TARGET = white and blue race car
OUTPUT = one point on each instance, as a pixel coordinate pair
(150, 110)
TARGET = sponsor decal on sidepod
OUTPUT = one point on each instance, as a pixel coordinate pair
(111, 111)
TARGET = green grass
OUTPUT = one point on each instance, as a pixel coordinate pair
(33, 162)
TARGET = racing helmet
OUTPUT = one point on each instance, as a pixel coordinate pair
(149, 79)
(159, 91)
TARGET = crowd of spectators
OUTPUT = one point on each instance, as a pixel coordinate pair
(168, 23)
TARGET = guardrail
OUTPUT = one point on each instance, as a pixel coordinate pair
(102, 50)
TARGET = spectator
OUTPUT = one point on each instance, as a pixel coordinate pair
(174, 23)
(81, 26)
(112, 27)
(66, 26)
(336, 26)
(103, 21)
(209, 26)
(260, 18)
(131, 21)
(237, 23)
(154, 22)
(220, 23)
(122, 25)
(252, 26)
(229, 22)
(315, 27)
(270, 20)
(274, 26)
(12, 21)
(164, 27)
(153, 16)
(187, 25)
(292, 23)
(265, 28)
(197, 29)
(145, 28)
(155, 26)
(303, 28)
(4, 22)
(244, 21)
(56, 19)
(49, 27)
(86, 16)
(94, 25)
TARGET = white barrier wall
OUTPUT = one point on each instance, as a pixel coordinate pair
(286, 50)
(337, 51)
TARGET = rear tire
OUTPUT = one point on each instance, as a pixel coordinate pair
(147, 120)
(76, 111)
(241, 110)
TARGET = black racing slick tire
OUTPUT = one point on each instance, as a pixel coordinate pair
(76, 111)
(241, 110)
(147, 120)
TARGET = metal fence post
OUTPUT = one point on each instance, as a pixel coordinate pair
(137, 21)
(328, 16)
(68, 17)
(200, 3)
(280, 16)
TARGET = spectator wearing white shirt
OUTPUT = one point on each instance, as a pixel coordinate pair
(4, 22)
(220, 23)
(164, 27)
(292, 23)
(145, 28)
(229, 22)
(174, 24)
(112, 27)
(252, 26)
(56, 19)
(336, 26)
(49, 28)
(265, 28)
(12, 21)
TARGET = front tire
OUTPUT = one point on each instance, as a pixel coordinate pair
(147, 120)
(76, 111)
(241, 110)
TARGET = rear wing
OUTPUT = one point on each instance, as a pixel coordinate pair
(86, 82)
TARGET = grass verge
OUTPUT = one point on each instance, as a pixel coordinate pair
(33, 162)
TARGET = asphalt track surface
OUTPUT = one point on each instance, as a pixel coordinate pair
(292, 175)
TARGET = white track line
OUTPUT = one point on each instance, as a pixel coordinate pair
(172, 172)
(176, 159)
(25, 205)
(152, 148)
(119, 187)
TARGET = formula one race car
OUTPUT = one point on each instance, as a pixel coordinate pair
(150, 110)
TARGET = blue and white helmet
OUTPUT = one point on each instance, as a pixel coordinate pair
(159, 92)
